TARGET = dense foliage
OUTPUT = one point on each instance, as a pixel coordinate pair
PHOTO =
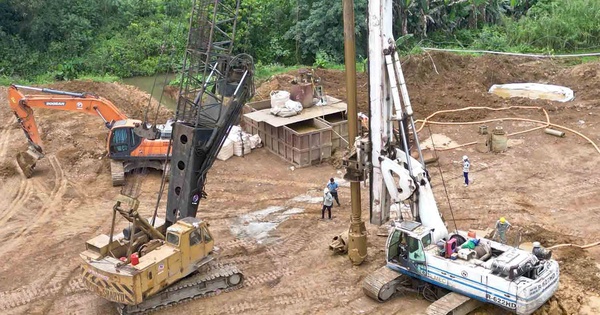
(63, 39)
(69, 37)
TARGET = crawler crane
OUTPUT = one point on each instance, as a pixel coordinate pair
(421, 254)
(159, 262)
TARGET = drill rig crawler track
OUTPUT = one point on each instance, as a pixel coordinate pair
(209, 280)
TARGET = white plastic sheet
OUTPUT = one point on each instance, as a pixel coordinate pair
(534, 91)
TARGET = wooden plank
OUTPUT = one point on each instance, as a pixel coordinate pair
(333, 106)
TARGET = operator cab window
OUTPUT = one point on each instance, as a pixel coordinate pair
(207, 237)
(135, 139)
(415, 249)
(173, 239)
(195, 237)
(119, 141)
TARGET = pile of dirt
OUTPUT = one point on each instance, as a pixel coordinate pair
(440, 81)
(129, 99)
(579, 272)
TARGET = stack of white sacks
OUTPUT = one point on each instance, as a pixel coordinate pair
(238, 143)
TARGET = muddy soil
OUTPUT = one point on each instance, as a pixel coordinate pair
(547, 187)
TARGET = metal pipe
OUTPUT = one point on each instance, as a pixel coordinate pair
(112, 225)
(554, 132)
(357, 236)
(51, 91)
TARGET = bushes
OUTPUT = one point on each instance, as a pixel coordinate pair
(70, 38)
(559, 25)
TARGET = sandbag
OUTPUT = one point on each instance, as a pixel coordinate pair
(226, 150)
(293, 105)
(242, 146)
(283, 112)
(255, 142)
(278, 98)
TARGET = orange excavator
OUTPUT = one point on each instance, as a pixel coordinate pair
(130, 143)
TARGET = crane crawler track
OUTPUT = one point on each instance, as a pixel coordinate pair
(382, 283)
(215, 280)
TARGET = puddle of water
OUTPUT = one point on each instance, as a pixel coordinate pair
(259, 224)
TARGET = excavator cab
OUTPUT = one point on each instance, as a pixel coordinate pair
(122, 139)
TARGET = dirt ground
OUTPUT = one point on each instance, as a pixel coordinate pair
(547, 187)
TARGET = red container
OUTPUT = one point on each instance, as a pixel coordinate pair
(135, 259)
(450, 247)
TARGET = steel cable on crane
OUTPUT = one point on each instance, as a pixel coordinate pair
(444, 184)
(165, 172)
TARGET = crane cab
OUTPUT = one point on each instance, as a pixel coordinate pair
(192, 237)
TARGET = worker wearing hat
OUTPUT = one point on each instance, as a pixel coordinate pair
(466, 165)
(502, 226)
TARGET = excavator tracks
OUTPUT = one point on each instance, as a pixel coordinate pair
(382, 284)
(215, 280)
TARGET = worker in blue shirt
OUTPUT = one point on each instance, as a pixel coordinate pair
(333, 189)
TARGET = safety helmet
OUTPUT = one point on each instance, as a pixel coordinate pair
(502, 220)
(536, 244)
(465, 157)
(326, 190)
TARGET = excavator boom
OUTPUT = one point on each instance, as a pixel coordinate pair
(143, 145)
(22, 105)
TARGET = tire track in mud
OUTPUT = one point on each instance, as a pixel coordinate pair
(54, 201)
(33, 292)
(306, 294)
(5, 136)
(22, 195)
(50, 203)
(64, 283)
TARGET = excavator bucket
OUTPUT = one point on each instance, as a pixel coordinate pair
(27, 160)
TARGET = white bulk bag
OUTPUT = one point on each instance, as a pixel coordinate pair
(226, 150)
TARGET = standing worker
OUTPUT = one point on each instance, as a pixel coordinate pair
(327, 203)
(466, 165)
(333, 189)
(502, 226)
